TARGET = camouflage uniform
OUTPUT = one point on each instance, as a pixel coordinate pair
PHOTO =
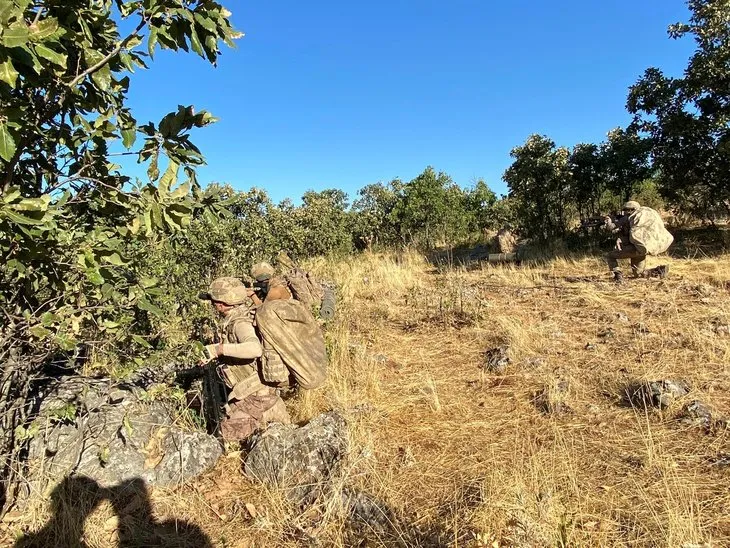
(269, 286)
(506, 241)
(624, 248)
(251, 404)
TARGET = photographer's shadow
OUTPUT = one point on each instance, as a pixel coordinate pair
(76, 497)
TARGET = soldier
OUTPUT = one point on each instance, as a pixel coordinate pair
(506, 240)
(251, 404)
(641, 232)
(268, 286)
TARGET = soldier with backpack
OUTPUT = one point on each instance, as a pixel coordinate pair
(641, 232)
(293, 343)
(251, 404)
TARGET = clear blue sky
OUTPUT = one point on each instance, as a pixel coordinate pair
(342, 94)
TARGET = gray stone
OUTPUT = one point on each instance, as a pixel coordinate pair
(659, 394)
(551, 399)
(365, 514)
(108, 433)
(496, 359)
(300, 460)
(697, 413)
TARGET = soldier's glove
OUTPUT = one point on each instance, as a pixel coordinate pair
(208, 354)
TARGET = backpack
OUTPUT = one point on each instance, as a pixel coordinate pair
(290, 329)
(647, 232)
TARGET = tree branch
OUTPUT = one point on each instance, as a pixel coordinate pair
(109, 56)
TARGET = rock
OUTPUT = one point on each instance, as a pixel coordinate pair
(696, 413)
(497, 359)
(365, 514)
(108, 433)
(590, 347)
(300, 460)
(622, 317)
(551, 399)
(659, 394)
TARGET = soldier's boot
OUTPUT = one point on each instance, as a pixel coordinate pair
(618, 277)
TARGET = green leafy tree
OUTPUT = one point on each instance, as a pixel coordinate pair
(588, 178)
(687, 118)
(431, 210)
(375, 220)
(540, 184)
(625, 158)
(479, 207)
(73, 229)
(324, 217)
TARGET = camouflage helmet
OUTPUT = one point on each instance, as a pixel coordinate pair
(262, 271)
(228, 290)
(631, 206)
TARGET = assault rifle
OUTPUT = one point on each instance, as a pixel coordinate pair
(597, 222)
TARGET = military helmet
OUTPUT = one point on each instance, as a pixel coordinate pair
(228, 290)
(631, 206)
(262, 271)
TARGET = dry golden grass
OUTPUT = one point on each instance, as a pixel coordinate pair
(464, 457)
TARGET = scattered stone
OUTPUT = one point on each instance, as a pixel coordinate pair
(109, 433)
(366, 515)
(722, 460)
(659, 394)
(696, 413)
(622, 317)
(300, 460)
(536, 361)
(720, 327)
(551, 399)
(607, 333)
(590, 347)
(497, 359)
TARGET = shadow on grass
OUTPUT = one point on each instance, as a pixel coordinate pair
(76, 497)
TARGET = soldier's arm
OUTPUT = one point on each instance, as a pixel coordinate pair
(247, 345)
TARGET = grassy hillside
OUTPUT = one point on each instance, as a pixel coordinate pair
(547, 452)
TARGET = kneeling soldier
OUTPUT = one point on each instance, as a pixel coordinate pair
(251, 404)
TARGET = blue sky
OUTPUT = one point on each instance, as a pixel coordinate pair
(339, 94)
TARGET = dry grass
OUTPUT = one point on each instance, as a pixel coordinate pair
(465, 457)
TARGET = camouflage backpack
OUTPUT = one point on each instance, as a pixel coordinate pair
(289, 328)
(305, 288)
(647, 232)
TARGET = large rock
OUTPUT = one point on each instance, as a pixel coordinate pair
(300, 460)
(109, 433)
(659, 394)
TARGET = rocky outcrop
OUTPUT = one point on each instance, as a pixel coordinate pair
(300, 460)
(113, 433)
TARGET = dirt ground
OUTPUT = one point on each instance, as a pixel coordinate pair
(544, 448)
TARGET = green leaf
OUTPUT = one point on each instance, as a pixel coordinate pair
(144, 304)
(39, 332)
(127, 426)
(43, 29)
(141, 341)
(50, 55)
(8, 74)
(129, 136)
(169, 178)
(7, 143)
(103, 78)
(16, 35)
(195, 42)
(152, 42)
(94, 276)
(114, 259)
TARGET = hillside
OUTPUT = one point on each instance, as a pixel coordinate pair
(547, 450)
